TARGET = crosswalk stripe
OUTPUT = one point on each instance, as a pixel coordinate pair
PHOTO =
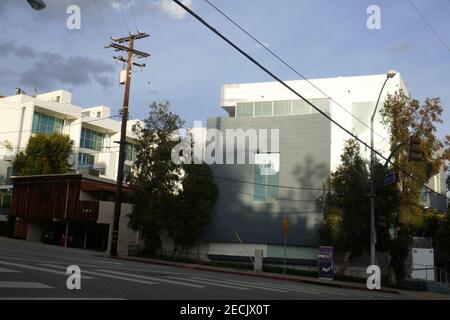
(212, 283)
(106, 275)
(307, 289)
(8, 270)
(24, 266)
(153, 278)
(241, 283)
(23, 285)
(56, 298)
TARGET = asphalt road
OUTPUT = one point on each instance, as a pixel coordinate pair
(30, 270)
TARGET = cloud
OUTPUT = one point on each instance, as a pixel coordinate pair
(172, 9)
(402, 48)
(50, 69)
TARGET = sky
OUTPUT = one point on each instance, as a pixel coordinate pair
(189, 64)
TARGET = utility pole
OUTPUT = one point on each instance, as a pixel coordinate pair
(117, 45)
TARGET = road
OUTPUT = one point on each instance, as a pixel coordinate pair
(30, 270)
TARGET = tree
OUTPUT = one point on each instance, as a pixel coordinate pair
(404, 117)
(168, 196)
(346, 207)
(155, 177)
(194, 204)
(44, 154)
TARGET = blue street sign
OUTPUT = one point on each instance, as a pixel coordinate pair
(389, 179)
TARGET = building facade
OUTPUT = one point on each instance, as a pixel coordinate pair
(254, 204)
(94, 131)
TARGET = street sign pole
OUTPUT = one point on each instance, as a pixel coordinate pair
(285, 240)
(285, 229)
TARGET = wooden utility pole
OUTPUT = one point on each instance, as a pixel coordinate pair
(117, 45)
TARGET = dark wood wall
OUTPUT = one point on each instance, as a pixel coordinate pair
(51, 198)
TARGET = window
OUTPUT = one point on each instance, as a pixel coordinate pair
(130, 152)
(45, 124)
(85, 161)
(92, 140)
(99, 114)
(282, 108)
(263, 109)
(300, 107)
(322, 104)
(244, 109)
(266, 177)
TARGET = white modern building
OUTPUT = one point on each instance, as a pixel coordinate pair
(252, 205)
(95, 132)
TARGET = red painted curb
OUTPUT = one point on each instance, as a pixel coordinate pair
(256, 275)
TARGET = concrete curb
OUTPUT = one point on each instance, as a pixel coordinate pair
(289, 278)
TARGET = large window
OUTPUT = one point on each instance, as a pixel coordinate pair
(43, 123)
(263, 109)
(91, 139)
(280, 108)
(244, 109)
(266, 177)
(85, 161)
(5, 202)
(130, 152)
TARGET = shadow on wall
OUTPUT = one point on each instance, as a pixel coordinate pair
(262, 222)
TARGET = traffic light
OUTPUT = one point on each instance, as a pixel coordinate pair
(415, 149)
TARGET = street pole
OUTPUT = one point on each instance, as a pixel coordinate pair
(123, 130)
(373, 232)
(285, 242)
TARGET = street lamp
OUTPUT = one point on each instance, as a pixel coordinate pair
(373, 236)
(37, 4)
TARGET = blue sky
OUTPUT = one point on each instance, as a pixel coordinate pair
(320, 38)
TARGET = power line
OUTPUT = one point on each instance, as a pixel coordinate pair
(268, 185)
(123, 16)
(133, 15)
(291, 67)
(271, 74)
(432, 29)
(102, 19)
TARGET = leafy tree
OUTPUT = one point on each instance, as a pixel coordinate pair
(346, 206)
(155, 177)
(404, 116)
(44, 154)
(169, 196)
(194, 204)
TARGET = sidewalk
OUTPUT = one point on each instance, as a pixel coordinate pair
(266, 275)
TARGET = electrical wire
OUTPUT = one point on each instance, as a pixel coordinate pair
(123, 16)
(102, 19)
(134, 15)
(271, 74)
(432, 29)
(292, 68)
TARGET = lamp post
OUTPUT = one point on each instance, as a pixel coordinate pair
(373, 235)
(37, 4)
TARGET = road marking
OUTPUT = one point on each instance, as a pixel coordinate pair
(241, 283)
(105, 275)
(212, 283)
(23, 285)
(153, 278)
(42, 269)
(107, 262)
(8, 270)
(57, 298)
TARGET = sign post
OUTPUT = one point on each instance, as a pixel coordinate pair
(325, 263)
(286, 230)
